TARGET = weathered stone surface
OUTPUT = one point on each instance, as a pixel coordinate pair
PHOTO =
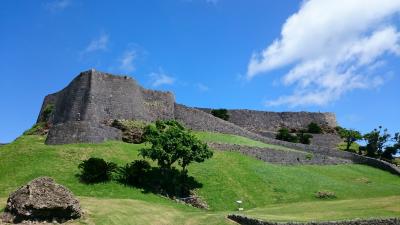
(285, 157)
(41, 200)
(243, 220)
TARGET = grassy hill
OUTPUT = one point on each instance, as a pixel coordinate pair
(269, 191)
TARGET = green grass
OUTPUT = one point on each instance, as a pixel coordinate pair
(227, 177)
(353, 147)
(237, 140)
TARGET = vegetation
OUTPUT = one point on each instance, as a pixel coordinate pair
(287, 191)
(171, 142)
(378, 144)
(304, 138)
(325, 195)
(285, 135)
(350, 136)
(220, 113)
(354, 147)
(95, 170)
(132, 130)
(47, 112)
(40, 128)
(314, 128)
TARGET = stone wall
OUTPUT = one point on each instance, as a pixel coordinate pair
(243, 220)
(285, 157)
(262, 121)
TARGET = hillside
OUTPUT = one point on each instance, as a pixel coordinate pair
(267, 190)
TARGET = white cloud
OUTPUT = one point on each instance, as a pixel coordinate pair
(127, 61)
(57, 5)
(202, 87)
(161, 78)
(331, 47)
(98, 44)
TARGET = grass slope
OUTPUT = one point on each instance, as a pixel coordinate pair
(227, 177)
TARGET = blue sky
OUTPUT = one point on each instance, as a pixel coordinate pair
(338, 56)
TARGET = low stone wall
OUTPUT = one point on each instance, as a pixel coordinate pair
(243, 220)
(285, 157)
(81, 132)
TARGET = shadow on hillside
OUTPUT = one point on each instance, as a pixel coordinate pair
(171, 183)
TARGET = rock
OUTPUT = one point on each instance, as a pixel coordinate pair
(41, 200)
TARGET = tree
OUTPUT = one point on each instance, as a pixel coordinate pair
(304, 138)
(392, 150)
(171, 142)
(350, 136)
(285, 135)
(376, 141)
(314, 128)
(220, 113)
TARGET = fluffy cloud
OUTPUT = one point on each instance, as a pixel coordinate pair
(98, 44)
(57, 5)
(161, 78)
(127, 61)
(331, 47)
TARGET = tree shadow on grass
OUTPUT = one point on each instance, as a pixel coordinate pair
(171, 183)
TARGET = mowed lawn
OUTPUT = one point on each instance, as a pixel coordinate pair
(275, 192)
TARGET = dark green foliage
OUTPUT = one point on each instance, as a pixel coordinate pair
(40, 128)
(325, 195)
(135, 173)
(314, 128)
(285, 135)
(390, 151)
(47, 112)
(350, 136)
(309, 156)
(132, 130)
(376, 141)
(171, 142)
(95, 170)
(304, 138)
(220, 113)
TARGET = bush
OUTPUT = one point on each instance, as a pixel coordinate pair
(132, 130)
(135, 173)
(304, 138)
(220, 113)
(41, 128)
(285, 135)
(314, 128)
(95, 170)
(309, 156)
(47, 112)
(325, 195)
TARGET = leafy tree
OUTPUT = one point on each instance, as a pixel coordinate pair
(392, 150)
(304, 138)
(285, 135)
(220, 113)
(171, 142)
(314, 128)
(350, 136)
(376, 141)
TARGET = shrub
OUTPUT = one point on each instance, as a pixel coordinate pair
(304, 138)
(285, 135)
(41, 128)
(325, 195)
(95, 170)
(47, 111)
(220, 113)
(132, 130)
(314, 128)
(135, 173)
(309, 156)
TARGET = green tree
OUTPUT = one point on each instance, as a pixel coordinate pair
(392, 150)
(285, 135)
(314, 128)
(171, 142)
(350, 136)
(376, 141)
(220, 113)
(303, 137)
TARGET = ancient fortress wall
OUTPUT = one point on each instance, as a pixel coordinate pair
(263, 121)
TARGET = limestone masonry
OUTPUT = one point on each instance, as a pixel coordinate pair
(94, 97)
